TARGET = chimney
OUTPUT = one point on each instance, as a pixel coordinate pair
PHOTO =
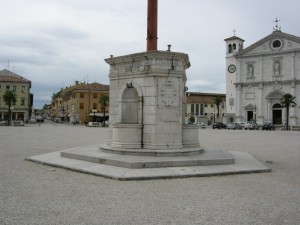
(152, 26)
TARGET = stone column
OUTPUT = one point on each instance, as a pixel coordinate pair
(269, 111)
(260, 104)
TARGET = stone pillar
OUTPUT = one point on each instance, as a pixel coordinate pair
(269, 111)
(260, 104)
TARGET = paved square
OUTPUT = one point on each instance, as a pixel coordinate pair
(37, 194)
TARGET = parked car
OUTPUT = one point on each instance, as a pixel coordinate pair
(251, 126)
(268, 126)
(234, 126)
(219, 125)
(57, 120)
(242, 124)
(39, 119)
(200, 124)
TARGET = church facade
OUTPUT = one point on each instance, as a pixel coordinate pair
(258, 76)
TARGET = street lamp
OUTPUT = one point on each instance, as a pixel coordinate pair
(255, 113)
(11, 113)
(94, 111)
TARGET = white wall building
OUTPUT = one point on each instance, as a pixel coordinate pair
(259, 75)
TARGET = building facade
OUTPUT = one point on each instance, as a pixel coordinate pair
(258, 76)
(21, 86)
(80, 103)
(203, 107)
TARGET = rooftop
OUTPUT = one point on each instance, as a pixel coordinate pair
(8, 76)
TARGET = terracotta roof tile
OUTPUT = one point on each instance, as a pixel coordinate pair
(8, 76)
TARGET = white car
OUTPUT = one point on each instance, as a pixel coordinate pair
(251, 126)
(242, 124)
(200, 124)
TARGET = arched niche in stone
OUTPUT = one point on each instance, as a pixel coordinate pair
(130, 106)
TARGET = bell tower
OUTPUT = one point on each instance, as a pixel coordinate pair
(234, 45)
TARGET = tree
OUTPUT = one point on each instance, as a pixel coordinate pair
(287, 101)
(104, 101)
(218, 100)
(10, 98)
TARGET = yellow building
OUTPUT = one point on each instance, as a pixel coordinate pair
(80, 103)
(21, 86)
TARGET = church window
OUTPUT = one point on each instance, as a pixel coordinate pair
(276, 44)
(197, 109)
(229, 48)
(192, 108)
(234, 46)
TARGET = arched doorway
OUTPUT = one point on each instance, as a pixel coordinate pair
(277, 114)
(130, 106)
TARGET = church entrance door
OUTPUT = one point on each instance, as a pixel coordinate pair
(249, 115)
(277, 114)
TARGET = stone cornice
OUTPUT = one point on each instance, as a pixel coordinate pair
(267, 83)
(142, 64)
(155, 58)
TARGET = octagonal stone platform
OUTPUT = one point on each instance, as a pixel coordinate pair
(130, 167)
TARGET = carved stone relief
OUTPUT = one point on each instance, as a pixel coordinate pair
(168, 94)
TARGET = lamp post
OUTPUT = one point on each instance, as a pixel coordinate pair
(94, 111)
(255, 113)
(11, 114)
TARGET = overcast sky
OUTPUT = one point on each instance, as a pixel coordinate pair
(55, 42)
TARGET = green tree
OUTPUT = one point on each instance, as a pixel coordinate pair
(104, 101)
(287, 101)
(10, 98)
(218, 100)
(192, 119)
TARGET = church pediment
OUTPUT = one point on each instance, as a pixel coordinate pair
(273, 43)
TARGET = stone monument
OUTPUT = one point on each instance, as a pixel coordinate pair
(147, 98)
(147, 137)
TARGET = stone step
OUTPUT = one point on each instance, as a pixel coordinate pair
(93, 154)
(151, 152)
